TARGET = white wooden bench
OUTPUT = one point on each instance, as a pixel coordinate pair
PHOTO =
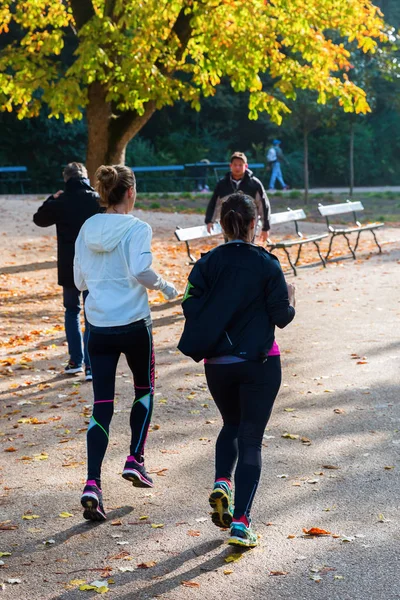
(293, 216)
(188, 234)
(335, 230)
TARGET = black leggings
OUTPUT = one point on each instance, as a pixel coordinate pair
(244, 394)
(105, 348)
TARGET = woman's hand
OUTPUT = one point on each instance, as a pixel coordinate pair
(292, 294)
(170, 292)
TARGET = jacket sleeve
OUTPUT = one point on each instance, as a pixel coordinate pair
(79, 278)
(194, 292)
(279, 309)
(49, 213)
(265, 207)
(211, 205)
(141, 258)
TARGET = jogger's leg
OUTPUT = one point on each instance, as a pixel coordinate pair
(257, 399)
(140, 358)
(226, 396)
(104, 365)
(71, 299)
(86, 358)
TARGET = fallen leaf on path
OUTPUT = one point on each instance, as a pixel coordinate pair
(278, 572)
(389, 467)
(30, 517)
(316, 531)
(14, 581)
(338, 577)
(65, 515)
(233, 557)
(10, 449)
(49, 542)
(291, 436)
(333, 467)
(339, 411)
(147, 565)
(142, 518)
(126, 569)
(193, 533)
(228, 572)
(5, 553)
(157, 525)
(289, 409)
(192, 584)
(7, 526)
(77, 582)
(116, 522)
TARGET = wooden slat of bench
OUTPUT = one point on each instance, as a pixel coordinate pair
(366, 227)
(287, 217)
(339, 209)
(299, 241)
(194, 233)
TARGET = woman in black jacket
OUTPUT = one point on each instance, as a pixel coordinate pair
(235, 296)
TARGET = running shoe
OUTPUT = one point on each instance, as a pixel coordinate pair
(88, 374)
(92, 502)
(221, 502)
(135, 472)
(72, 368)
(242, 536)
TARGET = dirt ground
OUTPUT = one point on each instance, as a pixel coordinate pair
(331, 451)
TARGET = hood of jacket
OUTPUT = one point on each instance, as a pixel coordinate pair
(103, 232)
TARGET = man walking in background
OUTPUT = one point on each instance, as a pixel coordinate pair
(275, 158)
(239, 179)
(68, 210)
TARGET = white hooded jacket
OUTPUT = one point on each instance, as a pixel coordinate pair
(113, 261)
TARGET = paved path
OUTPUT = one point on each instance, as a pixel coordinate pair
(340, 392)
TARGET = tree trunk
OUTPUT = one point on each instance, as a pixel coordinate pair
(351, 159)
(98, 118)
(306, 171)
(108, 133)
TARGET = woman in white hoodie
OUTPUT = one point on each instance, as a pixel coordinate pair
(113, 262)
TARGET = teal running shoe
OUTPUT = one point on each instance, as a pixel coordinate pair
(221, 503)
(242, 536)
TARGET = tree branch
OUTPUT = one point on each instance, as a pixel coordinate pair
(109, 8)
(82, 11)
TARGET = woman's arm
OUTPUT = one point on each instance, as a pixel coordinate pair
(79, 278)
(140, 261)
(279, 308)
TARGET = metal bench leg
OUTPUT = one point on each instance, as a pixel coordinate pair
(349, 245)
(290, 262)
(358, 239)
(191, 258)
(330, 245)
(376, 241)
(298, 254)
(319, 254)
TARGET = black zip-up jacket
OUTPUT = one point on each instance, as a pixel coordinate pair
(68, 213)
(249, 185)
(235, 296)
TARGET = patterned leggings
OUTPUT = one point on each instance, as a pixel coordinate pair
(105, 347)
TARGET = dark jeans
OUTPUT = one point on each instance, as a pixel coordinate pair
(244, 394)
(72, 305)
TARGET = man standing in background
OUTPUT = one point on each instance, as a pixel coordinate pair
(239, 179)
(68, 210)
(275, 158)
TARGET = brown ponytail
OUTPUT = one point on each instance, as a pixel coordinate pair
(237, 213)
(112, 183)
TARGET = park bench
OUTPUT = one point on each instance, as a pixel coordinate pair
(293, 216)
(189, 234)
(13, 175)
(335, 230)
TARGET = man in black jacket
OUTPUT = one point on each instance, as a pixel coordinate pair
(239, 179)
(68, 210)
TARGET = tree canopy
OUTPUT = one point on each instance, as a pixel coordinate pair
(122, 60)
